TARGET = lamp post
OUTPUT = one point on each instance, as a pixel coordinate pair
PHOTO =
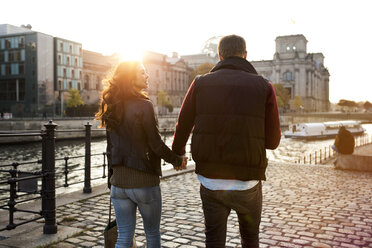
(61, 100)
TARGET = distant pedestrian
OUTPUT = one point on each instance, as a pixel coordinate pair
(135, 149)
(234, 117)
(344, 142)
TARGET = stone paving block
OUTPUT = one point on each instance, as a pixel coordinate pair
(181, 240)
(349, 245)
(289, 245)
(320, 245)
(170, 244)
(268, 241)
(301, 241)
(74, 240)
(198, 244)
(64, 245)
(88, 238)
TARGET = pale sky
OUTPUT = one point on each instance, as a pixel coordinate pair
(341, 30)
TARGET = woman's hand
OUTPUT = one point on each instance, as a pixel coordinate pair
(183, 165)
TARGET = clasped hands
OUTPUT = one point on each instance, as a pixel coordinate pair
(183, 165)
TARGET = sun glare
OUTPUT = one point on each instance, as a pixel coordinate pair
(135, 54)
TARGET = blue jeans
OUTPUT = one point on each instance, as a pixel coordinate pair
(125, 203)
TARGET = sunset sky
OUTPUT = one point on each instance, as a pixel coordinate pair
(338, 29)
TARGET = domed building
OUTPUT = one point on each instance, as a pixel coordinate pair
(302, 73)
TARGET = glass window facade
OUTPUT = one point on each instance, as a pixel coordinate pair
(12, 42)
(12, 90)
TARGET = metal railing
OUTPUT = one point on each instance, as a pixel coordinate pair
(324, 155)
(25, 183)
(47, 175)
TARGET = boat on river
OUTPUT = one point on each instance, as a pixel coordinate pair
(322, 130)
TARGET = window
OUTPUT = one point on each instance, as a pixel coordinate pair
(21, 69)
(64, 72)
(288, 76)
(70, 85)
(79, 86)
(21, 42)
(68, 60)
(86, 82)
(7, 43)
(76, 62)
(2, 58)
(21, 89)
(33, 60)
(11, 57)
(80, 75)
(70, 48)
(7, 70)
(60, 84)
(18, 56)
(61, 46)
(59, 59)
(72, 73)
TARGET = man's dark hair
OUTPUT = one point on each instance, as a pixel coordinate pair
(231, 45)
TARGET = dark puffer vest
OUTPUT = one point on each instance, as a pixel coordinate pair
(229, 134)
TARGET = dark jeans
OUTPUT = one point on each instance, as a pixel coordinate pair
(217, 205)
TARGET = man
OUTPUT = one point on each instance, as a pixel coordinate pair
(235, 117)
(344, 142)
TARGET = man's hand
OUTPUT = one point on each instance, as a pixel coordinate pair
(183, 165)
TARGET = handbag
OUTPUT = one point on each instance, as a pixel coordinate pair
(110, 233)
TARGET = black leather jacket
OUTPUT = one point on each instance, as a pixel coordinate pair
(137, 143)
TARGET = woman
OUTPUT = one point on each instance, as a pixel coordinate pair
(135, 148)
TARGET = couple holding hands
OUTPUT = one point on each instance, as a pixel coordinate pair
(234, 117)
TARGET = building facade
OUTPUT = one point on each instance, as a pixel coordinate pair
(195, 60)
(302, 73)
(68, 72)
(95, 68)
(168, 74)
(26, 71)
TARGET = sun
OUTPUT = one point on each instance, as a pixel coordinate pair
(134, 54)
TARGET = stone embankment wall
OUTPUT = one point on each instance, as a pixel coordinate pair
(35, 125)
(166, 122)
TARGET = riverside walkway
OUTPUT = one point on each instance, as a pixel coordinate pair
(303, 206)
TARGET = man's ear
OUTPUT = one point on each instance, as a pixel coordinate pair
(220, 57)
(245, 55)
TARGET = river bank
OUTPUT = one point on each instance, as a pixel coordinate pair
(76, 126)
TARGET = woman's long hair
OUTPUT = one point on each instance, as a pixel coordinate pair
(119, 89)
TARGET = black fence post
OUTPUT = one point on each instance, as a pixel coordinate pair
(13, 196)
(49, 180)
(87, 187)
(66, 171)
(164, 139)
(104, 165)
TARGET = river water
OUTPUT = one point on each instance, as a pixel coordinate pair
(289, 150)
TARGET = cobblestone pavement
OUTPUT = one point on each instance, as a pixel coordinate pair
(304, 206)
